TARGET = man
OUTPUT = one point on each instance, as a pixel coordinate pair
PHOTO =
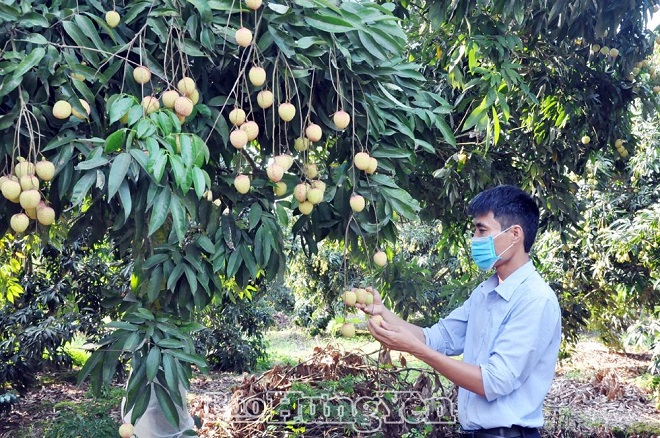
(508, 330)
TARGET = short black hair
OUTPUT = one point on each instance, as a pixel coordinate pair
(510, 206)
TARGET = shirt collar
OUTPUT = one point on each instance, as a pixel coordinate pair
(509, 286)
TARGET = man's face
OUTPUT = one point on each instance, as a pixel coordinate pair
(486, 225)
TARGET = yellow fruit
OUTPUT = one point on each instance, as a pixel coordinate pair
(318, 184)
(586, 139)
(265, 99)
(347, 330)
(341, 119)
(82, 116)
(311, 170)
(142, 75)
(313, 132)
(280, 188)
(183, 106)
(19, 222)
(251, 129)
(237, 117)
(284, 160)
(186, 86)
(614, 52)
(595, 48)
(461, 157)
(11, 190)
(126, 430)
(373, 165)
(169, 97)
(45, 215)
(377, 319)
(62, 109)
(29, 198)
(45, 170)
(361, 160)
(257, 76)
(361, 295)
(194, 96)
(350, 298)
(357, 203)
(604, 50)
(299, 192)
(315, 196)
(253, 4)
(286, 111)
(243, 37)
(369, 300)
(306, 207)
(618, 143)
(242, 184)
(31, 213)
(150, 104)
(301, 144)
(380, 258)
(274, 172)
(29, 182)
(23, 168)
(112, 18)
(238, 138)
(3, 178)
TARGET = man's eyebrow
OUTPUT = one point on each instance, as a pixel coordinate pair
(480, 224)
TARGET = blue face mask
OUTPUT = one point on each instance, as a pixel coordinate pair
(483, 251)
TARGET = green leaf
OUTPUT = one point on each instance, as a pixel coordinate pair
(179, 222)
(255, 216)
(141, 404)
(155, 281)
(118, 172)
(328, 24)
(115, 141)
(167, 405)
(160, 210)
(119, 108)
(93, 161)
(125, 199)
(153, 363)
(28, 62)
(170, 343)
(189, 358)
(204, 11)
(159, 167)
(199, 181)
(171, 376)
(82, 186)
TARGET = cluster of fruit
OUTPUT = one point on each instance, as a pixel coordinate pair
(22, 187)
(182, 100)
(361, 296)
(62, 110)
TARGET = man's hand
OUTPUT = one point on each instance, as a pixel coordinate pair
(395, 337)
(376, 308)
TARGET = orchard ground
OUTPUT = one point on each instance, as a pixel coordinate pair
(596, 392)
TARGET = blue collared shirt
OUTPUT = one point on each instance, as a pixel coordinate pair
(512, 330)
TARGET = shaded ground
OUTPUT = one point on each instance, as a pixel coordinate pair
(595, 388)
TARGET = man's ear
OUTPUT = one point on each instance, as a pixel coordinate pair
(518, 233)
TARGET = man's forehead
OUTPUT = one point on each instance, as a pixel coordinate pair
(485, 220)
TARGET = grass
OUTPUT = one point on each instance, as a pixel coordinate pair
(291, 345)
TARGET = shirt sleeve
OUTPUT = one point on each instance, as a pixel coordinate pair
(447, 336)
(523, 341)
